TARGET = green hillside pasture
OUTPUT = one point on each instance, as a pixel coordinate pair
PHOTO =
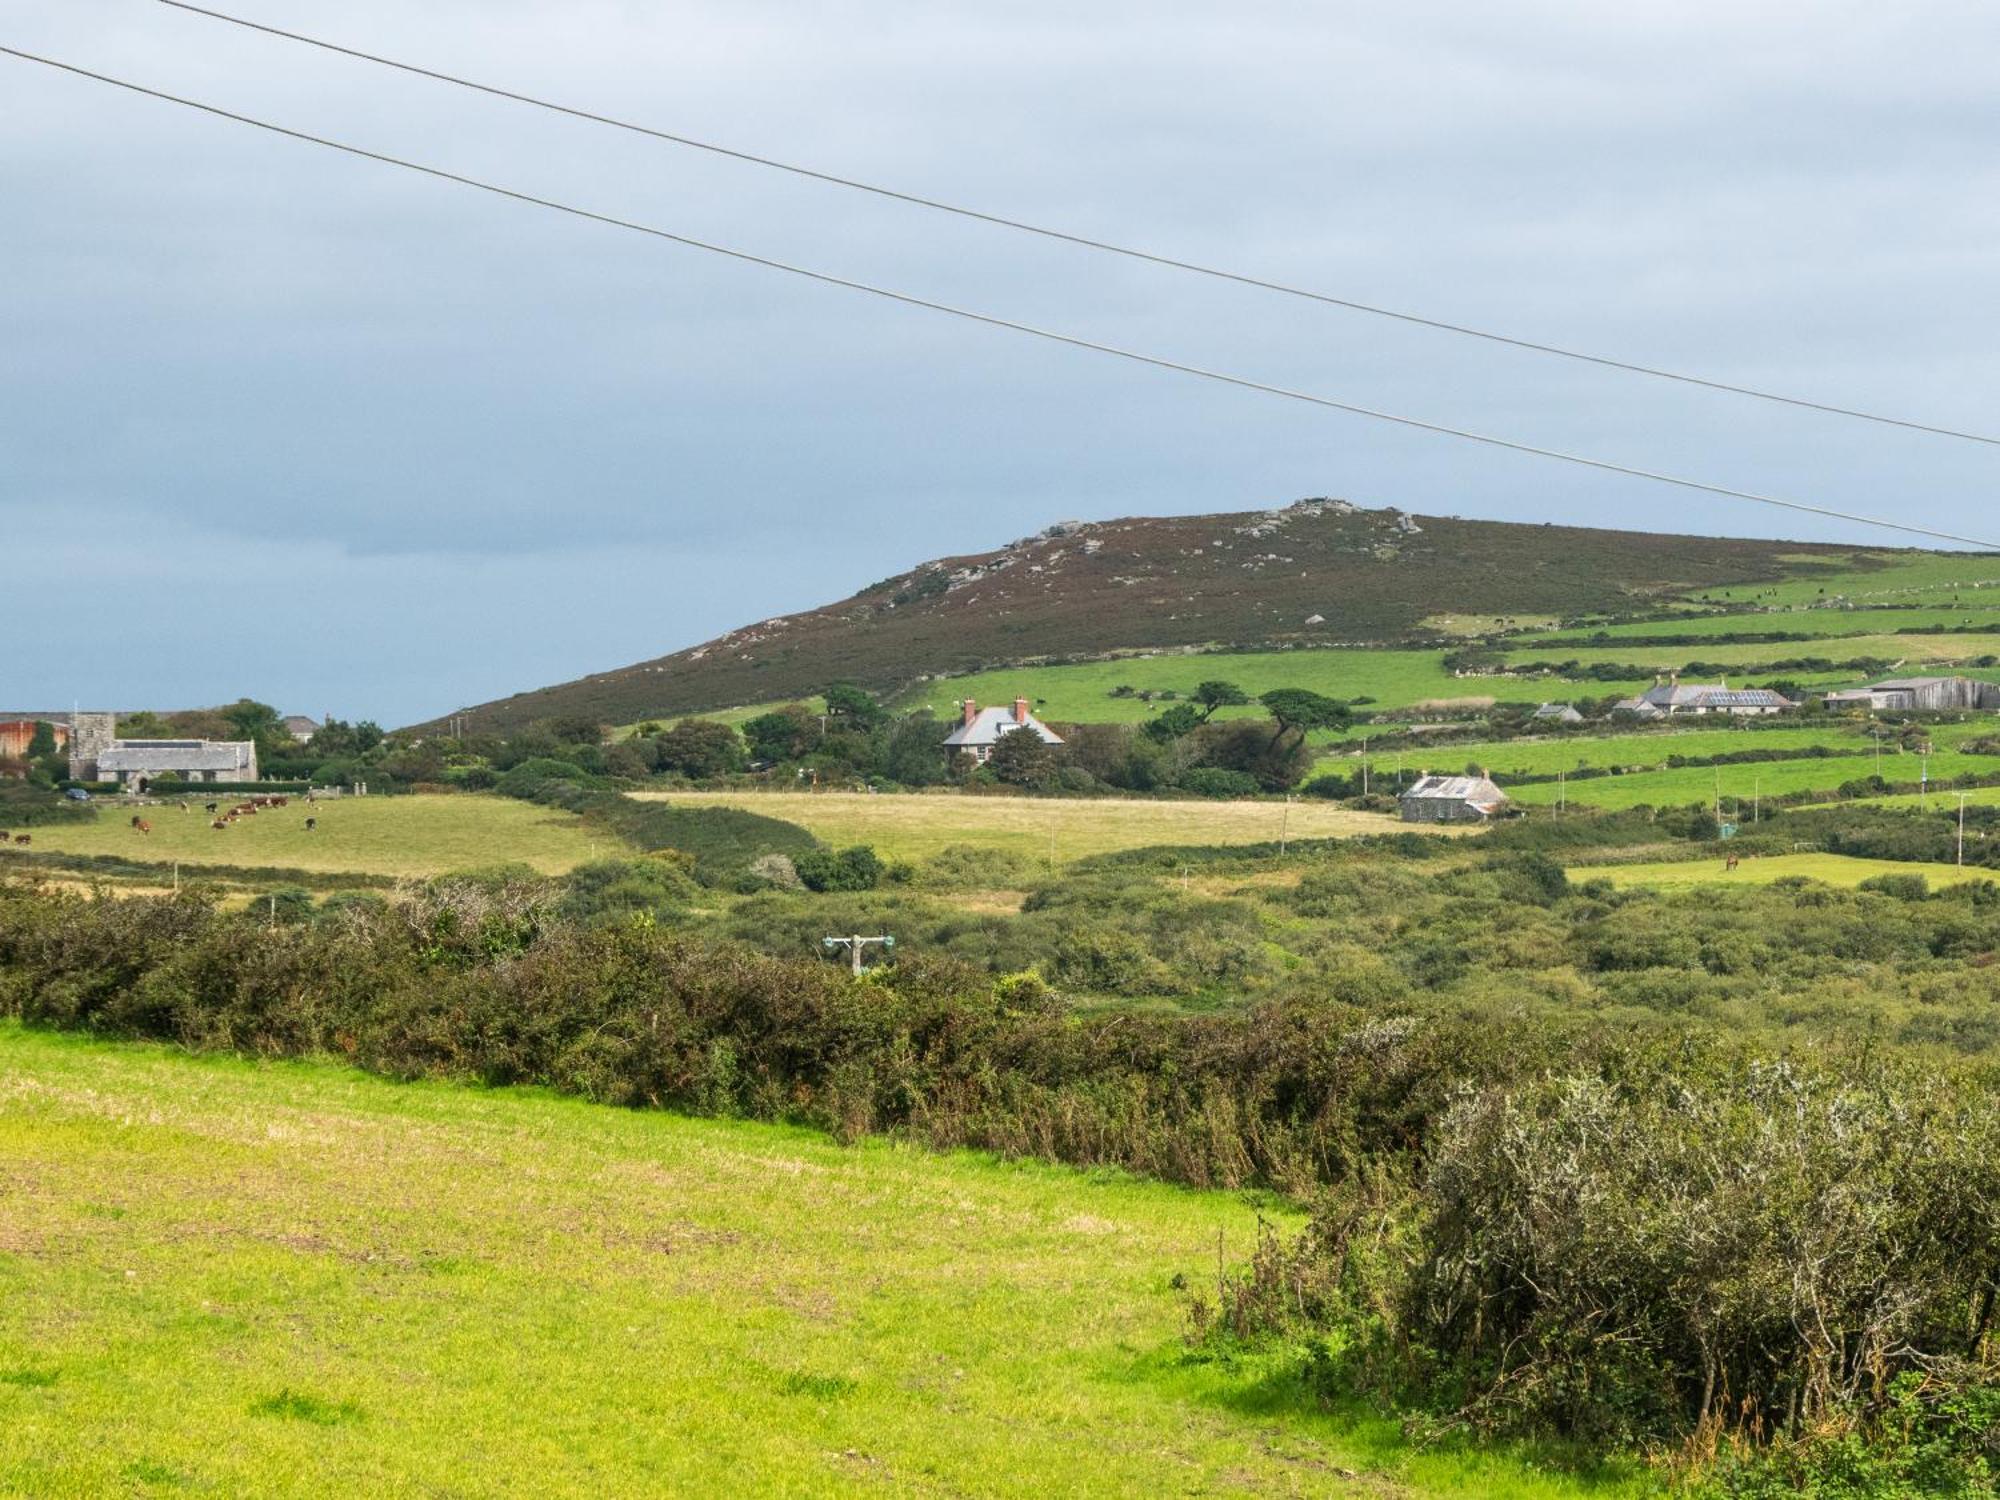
(1939, 800)
(1918, 650)
(1545, 757)
(224, 1278)
(1982, 609)
(1907, 578)
(398, 836)
(1081, 693)
(1831, 869)
(917, 826)
(1742, 783)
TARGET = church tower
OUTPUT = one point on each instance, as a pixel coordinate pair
(89, 736)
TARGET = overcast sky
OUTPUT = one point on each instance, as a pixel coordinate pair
(282, 423)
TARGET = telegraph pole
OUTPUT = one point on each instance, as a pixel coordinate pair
(1285, 824)
(1961, 830)
(854, 946)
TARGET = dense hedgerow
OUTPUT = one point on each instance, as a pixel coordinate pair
(1675, 1169)
(480, 981)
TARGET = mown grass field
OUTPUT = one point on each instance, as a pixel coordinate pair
(225, 1278)
(1832, 869)
(918, 826)
(399, 836)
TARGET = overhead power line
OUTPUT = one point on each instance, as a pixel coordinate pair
(1087, 242)
(993, 321)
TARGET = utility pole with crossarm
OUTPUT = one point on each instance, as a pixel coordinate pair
(854, 946)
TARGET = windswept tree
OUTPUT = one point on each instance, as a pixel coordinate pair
(1300, 711)
(1216, 694)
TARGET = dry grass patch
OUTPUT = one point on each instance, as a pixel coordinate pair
(918, 825)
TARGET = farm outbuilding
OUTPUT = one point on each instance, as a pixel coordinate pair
(1920, 694)
(1452, 799)
(16, 735)
(1557, 713)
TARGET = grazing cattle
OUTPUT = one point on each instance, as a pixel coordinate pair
(135, 820)
(182, 806)
(4, 835)
(22, 838)
(210, 807)
(142, 825)
(1731, 863)
(311, 824)
(219, 823)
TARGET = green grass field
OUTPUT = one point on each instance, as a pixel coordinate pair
(1942, 799)
(1921, 578)
(1982, 608)
(225, 1278)
(1082, 693)
(402, 836)
(1919, 650)
(1831, 869)
(1746, 783)
(1544, 757)
(919, 825)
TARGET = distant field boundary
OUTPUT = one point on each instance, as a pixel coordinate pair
(163, 871)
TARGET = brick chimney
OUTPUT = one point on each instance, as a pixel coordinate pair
(969, 711)
(1020, 710)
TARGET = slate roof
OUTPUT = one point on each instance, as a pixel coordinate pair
(149, 756)
(1479, 791)
(991, 723)
(1672, 695)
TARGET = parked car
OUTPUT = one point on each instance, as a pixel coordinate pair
(76, 794)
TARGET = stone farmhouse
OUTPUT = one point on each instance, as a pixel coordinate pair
(1452, 799)
(980, 729)
(1672, 698)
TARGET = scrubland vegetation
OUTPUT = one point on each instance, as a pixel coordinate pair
(1696, 1177)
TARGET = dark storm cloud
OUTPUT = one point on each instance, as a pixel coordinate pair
(382, 445)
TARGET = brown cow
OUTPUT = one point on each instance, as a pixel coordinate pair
(1731, 863)
(142, 825)
(218, 823)
(311, 824)
(22, 838)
